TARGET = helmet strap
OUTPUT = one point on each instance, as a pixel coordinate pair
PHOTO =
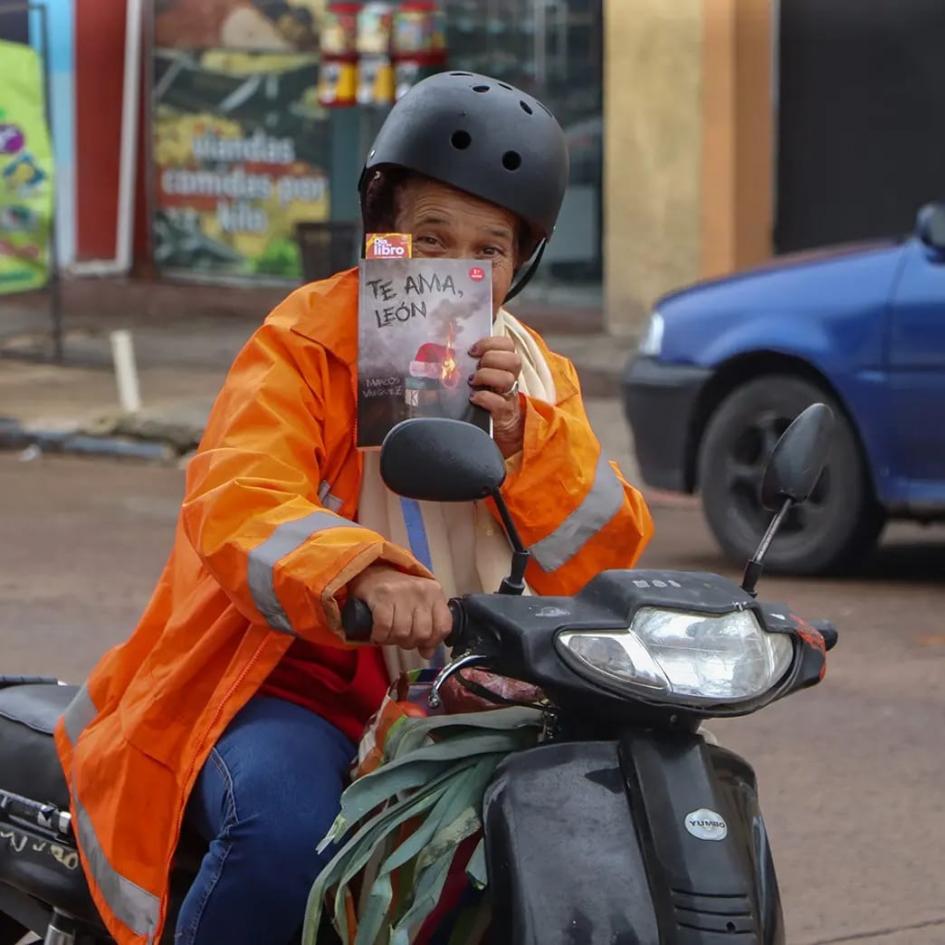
(529, 272)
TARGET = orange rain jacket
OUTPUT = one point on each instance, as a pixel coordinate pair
(266, 540)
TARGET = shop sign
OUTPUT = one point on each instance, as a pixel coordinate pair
(240, 148)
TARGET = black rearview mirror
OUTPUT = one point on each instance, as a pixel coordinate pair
(930, 226)
(798, 458)
(796, 463)
(440, 460)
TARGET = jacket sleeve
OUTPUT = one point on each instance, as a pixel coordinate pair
(252, 510)
(576, 513)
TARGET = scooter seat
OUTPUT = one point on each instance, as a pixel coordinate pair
(29, 765)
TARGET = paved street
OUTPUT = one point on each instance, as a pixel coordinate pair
(851, 773)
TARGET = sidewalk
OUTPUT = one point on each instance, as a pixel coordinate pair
(185, 337)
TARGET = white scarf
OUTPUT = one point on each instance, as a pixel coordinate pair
(465, 548)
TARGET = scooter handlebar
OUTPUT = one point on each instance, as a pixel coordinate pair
(828, 631)
(358, 622)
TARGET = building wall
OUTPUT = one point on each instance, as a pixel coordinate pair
(688, 153)
(99, 79)
(652, 153)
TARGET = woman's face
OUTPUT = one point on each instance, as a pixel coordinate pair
(448, 223)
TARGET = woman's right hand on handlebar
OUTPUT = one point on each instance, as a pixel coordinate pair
(410, 612)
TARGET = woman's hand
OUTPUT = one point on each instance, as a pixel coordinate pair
(410, 612)
(494, 390)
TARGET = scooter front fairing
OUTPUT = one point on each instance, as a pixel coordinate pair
(652, 840)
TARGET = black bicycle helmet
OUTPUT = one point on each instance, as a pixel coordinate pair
(484, 137)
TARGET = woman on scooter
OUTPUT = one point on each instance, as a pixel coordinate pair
(236, 703)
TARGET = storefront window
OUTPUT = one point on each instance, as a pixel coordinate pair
(554, 50)
(259, 107)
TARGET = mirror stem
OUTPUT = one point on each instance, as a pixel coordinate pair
(755, 567)
(515, 582)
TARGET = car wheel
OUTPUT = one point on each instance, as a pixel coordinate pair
(833, 530)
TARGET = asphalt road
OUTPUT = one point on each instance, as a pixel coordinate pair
(851, 773)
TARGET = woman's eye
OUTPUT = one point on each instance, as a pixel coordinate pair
(428, 240)
(492, 251)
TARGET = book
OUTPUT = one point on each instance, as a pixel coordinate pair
(417, 319)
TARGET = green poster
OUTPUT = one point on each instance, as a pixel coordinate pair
(26, 171)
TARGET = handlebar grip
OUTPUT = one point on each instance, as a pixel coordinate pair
(454, 640)
(358, 622)
(828, 631)
(7, 681)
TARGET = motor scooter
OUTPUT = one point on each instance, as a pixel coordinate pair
(625, 825)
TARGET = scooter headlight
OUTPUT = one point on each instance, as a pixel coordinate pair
(722, 658)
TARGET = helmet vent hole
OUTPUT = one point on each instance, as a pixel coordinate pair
(460, 140)
(502, 85)
(526, 108)
(511, 160)
(467, 74)
(480, 88)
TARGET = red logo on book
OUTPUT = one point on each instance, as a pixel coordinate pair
(477, 273)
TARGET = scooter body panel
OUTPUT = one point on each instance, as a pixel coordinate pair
(588, 842)
(565, 866)
(695, 810)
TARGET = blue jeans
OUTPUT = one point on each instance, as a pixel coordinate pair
(265, 798)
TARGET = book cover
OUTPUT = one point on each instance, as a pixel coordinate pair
(417, 319)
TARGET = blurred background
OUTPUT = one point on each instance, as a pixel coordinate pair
(734, 130)
(752, 225)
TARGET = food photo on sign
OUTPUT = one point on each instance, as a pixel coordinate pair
(270, 25)
(240, 153)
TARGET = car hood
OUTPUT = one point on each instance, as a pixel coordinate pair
(862, 272)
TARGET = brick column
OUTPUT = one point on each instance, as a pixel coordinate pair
(738, 135)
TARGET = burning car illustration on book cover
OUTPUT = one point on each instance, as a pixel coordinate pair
(434, 374)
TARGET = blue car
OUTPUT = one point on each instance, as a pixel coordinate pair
(725, 366)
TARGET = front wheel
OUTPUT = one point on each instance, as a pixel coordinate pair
(834, 529)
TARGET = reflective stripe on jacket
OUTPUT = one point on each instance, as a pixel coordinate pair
(267, 538)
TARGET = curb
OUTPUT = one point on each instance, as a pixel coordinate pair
(157, 441)
(16, 436)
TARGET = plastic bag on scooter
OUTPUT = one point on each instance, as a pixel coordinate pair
(472, 690)
(410, 815)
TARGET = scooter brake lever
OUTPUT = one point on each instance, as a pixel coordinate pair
(464, 662)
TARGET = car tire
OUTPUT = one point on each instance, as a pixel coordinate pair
(833, 531)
